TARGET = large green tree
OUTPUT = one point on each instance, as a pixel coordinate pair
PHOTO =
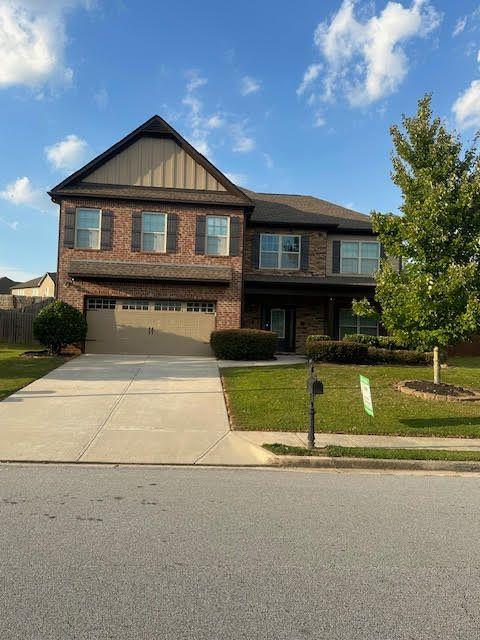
(434, 300)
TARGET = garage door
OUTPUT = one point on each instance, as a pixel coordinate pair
(149, 327)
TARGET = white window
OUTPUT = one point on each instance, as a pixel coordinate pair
(168, 305)
(87, 228)
(217, 238)
(360, 257)
(154, 236)
(101, 303)
(135, 305)
(201, 307)
(279, 252)
(350, 324)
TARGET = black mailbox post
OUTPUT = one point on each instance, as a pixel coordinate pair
(315, 388)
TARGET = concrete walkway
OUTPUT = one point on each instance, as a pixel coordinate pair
(125, 409)
(299, 439)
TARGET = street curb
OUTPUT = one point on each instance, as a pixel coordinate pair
(321, 462)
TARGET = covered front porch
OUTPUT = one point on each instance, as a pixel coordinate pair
(295, 310)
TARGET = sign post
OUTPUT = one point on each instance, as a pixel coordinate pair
(366, 395)
(315, 388)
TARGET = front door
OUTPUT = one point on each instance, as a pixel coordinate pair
(281, 320)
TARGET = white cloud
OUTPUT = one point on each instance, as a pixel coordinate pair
(467, 107)
(12, 225)
(249, 85)
(460, 26)
(195, 80)
(309, 76)
(67, 154)
(100, 98)
(319, 120)
(22, 193)
(365, 58)
(268, 160)
(33, 40)
(16, 274)
(240, 179)
(243, 142)
(478, 56)
(215, 122)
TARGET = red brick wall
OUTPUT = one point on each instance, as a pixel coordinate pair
(228, 298)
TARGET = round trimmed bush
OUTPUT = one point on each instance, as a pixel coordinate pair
(243, 344)
(337, 351)
(58, 325)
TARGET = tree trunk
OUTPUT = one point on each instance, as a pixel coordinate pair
(436, 366)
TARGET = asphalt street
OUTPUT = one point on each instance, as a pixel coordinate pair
(205, 553)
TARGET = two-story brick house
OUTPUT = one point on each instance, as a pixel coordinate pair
(158, 248)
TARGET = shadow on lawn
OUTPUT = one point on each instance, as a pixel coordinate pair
(426, 423)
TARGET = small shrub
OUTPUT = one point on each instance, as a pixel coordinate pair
(316, 338)
(243, 344)
(398, 356)
(337, 351)
(382, 342)
(58, 325)
(361, 338)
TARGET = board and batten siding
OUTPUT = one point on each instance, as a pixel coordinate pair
(350, 238)
(155, 162)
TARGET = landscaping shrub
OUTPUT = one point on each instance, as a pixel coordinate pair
(337, 351)
(243, 344)
(382, 342)
(58, 325)
(316, 338)
(398, 356)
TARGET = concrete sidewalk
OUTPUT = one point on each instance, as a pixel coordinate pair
(299, 439)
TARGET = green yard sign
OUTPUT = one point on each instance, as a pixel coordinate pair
(366, 395)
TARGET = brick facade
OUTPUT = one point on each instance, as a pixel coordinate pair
(228, 298)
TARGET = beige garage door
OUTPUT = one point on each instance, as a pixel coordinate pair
(149, 327)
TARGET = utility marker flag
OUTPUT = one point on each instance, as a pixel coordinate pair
(366, 395)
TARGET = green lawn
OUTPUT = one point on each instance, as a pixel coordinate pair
(16, 372)
(375, 452)
(274, 398)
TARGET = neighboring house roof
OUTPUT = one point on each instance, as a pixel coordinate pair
(6, 284)
(35, 282)
(154, 127)
(108, 270)
(291, 209)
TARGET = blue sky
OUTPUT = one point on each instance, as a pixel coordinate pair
(283, 98)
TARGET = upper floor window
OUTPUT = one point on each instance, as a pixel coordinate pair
(360, 257)
(279, 252)
(154, 236)
(87, 228)
(217, 235)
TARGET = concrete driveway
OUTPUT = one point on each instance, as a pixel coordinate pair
(125, 409)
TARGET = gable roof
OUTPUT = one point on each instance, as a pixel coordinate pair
(291, 209)
(35, 282)
(154, 127)
(6, 284)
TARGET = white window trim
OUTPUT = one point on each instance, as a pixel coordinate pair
(280, 252)
(97, 248)
(359, 258)
(154, 213)
(227, 236)
(357, 321)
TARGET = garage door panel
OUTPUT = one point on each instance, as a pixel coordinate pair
(151, 332)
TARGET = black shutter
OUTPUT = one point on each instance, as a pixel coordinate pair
(256, 251)
(304, 252)
(136, 231)
(200, 234)
(235, 227)
(69, 228)
(172, 227)
(106, 243)
(336, 256)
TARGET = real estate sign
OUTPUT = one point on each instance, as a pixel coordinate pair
(366, 395)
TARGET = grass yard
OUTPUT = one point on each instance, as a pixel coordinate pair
(375, 452)
(274, 398)
(16, 372)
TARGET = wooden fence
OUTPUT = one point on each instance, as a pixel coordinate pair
(16, 325)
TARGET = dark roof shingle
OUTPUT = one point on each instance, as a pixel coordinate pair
(6, 284)
(149, 271)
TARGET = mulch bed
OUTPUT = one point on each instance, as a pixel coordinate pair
(442, 391)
